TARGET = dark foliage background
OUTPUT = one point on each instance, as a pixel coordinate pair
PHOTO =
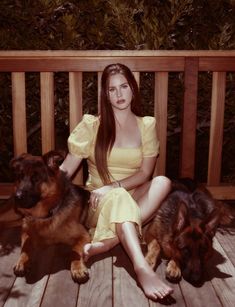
(127, 25)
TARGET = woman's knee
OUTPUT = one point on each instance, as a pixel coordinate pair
(161, 182)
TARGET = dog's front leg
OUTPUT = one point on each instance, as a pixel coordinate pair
(78, 268)
(153, 253)
(22, 264)
(173, 271)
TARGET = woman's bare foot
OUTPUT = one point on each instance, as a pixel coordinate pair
(92, 249)
(151, 284)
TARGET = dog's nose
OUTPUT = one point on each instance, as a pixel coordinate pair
(18, 194)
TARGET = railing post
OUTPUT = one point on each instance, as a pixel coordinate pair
(189, 119)
(75, 99)
(160, 113)
(75, 110)
(19, 113)
(216, 128)
(47, 111)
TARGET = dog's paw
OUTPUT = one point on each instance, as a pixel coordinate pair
(20, 269)
(80, 274)
(173, 271)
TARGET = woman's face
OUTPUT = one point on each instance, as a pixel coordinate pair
(119, 91)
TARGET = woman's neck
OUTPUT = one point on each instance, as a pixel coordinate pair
(123, 116)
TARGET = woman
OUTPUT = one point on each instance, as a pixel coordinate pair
(121, 149)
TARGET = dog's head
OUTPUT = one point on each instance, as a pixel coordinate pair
(194, 227)
(34, 178)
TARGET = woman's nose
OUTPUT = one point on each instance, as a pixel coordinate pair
(119, 93)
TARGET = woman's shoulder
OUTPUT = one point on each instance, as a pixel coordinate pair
(147, 121)
(90, 119)
(88, 123)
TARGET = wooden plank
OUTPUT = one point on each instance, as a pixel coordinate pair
(75, 110)
(225, 237)
(47, 111)
(97, 292)
(61, 290)
(114, 53)
(29, 291)
(91, 64)
(19, 113)
(6, 190)
(75, 99)
(126, 292)
(222, 192)
(24, 294)
(216, 128)
(217, 64)
(9, 251)
(199, 296)
(160, 113)
(189, 119)
(223, 279)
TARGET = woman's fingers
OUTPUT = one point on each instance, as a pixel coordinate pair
(94, 200)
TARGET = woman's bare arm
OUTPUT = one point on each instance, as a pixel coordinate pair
(141, 176)
(70, 164)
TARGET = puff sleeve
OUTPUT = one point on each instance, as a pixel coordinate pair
(81, 138)
(149, 138)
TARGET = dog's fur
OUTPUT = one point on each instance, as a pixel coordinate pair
(53, 209)
(183, 230)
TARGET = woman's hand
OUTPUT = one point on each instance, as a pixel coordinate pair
(97, 195)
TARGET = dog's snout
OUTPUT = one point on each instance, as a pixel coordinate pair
(193, 275)
(19, 194)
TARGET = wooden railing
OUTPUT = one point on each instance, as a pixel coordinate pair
(159, 62)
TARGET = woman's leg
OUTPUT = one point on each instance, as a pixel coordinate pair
(152, 286)
(149, 197)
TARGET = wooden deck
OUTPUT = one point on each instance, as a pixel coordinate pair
(112, 280)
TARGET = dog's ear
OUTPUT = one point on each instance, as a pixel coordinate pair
(53, 159)
(225, 212)
(14, 163)
(211, 223)
(181, 218)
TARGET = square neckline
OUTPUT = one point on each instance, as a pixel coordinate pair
(138, 119)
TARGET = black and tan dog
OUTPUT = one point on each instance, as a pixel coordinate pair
(54, 210)
(183, 230)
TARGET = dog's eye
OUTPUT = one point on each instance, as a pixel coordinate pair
(35, 177)
(18, 176)
(185, 252)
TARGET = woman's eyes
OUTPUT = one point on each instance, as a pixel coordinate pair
(113, 89)
(124, 86)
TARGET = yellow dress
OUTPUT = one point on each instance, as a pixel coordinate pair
(116, 206)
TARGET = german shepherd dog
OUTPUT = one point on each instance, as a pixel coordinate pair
(53, 209)
(183, 229)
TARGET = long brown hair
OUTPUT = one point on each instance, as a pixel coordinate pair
(107, 131)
